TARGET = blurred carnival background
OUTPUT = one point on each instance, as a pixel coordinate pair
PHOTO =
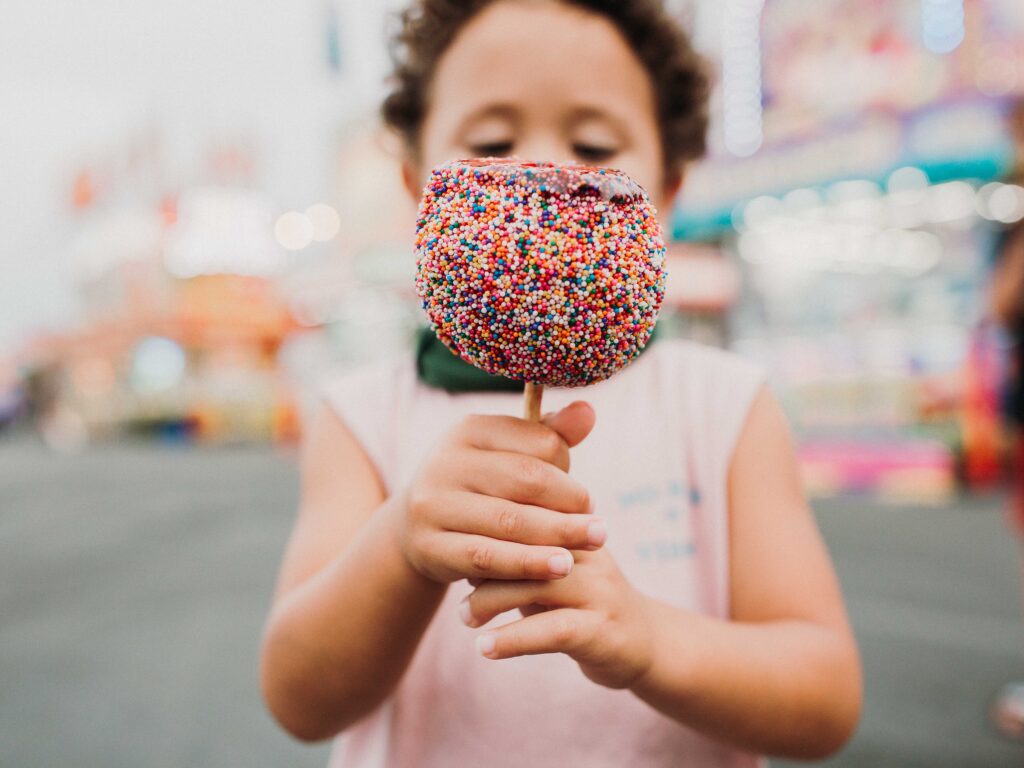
(199, 215)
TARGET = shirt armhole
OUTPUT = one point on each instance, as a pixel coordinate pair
(357, 399)
(746, 396)
(730, 387)
(747, 391)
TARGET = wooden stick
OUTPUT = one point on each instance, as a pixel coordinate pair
(534, 393)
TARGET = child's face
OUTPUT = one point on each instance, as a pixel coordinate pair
(544, 81)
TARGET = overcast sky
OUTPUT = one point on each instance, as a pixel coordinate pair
(78, 78)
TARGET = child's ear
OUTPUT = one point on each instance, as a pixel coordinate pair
(411, 179)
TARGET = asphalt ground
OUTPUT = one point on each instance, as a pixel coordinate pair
(134, 579)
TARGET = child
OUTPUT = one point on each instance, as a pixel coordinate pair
(669, 601)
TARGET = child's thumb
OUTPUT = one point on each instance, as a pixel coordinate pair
(573, 423)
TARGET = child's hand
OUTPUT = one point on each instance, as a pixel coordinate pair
(495, 501)
(595, 616)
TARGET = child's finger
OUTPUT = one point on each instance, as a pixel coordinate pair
(509, 434)
(524, 479)
(533, 608)
(573, 423)
(494, 598)
(472, 556)
(522, 523)
(565, 630)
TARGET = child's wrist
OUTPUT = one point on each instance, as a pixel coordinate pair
(668, 657)
(395, 525)
(648, 608)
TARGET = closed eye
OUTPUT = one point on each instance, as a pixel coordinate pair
(492, 149)
(592, 153)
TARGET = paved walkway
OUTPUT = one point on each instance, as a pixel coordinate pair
(134, 579)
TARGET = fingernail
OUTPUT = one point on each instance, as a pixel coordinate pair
(590, 506)
(597, 533)
(561, 564)
(485, 644)
(466, 613)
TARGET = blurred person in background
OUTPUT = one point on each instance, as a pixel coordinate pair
(695, 619)
(13, 398)
(1008, 309)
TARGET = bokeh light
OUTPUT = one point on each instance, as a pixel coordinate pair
(1006, 204)
(942, 25)
(741, 77)
(325, 220)
(158, 365)
(293, 230)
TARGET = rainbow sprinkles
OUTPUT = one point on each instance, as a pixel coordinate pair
(542, 273)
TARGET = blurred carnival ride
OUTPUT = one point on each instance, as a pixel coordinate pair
(178, 358)
(180, 317)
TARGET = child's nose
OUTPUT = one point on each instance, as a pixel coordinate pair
(543, 148)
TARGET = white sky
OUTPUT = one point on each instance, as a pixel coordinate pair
(77, 78)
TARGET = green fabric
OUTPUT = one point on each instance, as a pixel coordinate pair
(439, 367)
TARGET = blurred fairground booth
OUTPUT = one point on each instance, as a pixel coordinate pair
(840, 233)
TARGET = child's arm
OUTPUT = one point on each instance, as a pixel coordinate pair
(363, 575)
(782, 677)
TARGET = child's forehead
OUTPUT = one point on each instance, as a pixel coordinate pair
(540, 31)
(546, 51)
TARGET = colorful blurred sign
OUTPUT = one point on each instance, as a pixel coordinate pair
(851, 91)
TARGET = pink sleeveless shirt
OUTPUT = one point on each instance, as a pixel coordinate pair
(656, 466)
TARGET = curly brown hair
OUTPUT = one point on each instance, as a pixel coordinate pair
(680, 82)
